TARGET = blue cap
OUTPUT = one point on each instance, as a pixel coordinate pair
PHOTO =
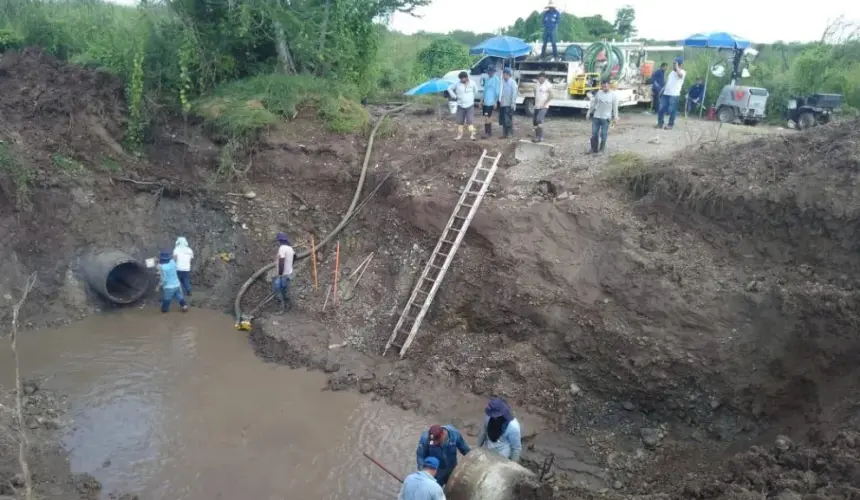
(679, 60)
(507, 71)
(431, 463)
(164, 256)
(282, 238)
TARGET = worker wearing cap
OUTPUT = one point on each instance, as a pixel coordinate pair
(492, 86)
(171, 288)
(501, 433)
(671, 94)
(551, 18)
(441, 442)
(284, 272)
(507, 103)
(422, 485)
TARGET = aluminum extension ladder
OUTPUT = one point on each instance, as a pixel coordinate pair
(443, 254)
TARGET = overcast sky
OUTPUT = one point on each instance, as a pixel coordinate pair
(758, 20)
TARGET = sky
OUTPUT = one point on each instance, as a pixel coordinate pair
(656, 19)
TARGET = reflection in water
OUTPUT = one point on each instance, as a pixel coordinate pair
(178, 407)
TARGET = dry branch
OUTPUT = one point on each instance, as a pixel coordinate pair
(23, 443)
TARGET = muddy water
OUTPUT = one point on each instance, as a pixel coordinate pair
(177, 407)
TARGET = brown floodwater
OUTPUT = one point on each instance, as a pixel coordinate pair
(177, 406)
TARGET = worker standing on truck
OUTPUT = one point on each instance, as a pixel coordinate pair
(441, 442)
(543, 95)
(183, 255)
(658, 79)
(603, 110)
(551, 17)
(422, 485)
(501, 433)
(671, 94)
(464, 92)
(284, 272)
(169, 282)
(492, 86)
(507, 103)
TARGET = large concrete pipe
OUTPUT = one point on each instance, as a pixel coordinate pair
(482, 475)
(117, 277)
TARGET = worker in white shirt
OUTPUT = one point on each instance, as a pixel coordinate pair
(671, 94)
(284, 272)
(543, 95)
(603, 110)
(464, 92)
(183, 255)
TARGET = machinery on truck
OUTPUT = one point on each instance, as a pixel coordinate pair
(577, 72)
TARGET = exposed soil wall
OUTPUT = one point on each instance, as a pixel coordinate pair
(659, 319)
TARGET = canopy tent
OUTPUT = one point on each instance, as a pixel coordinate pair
(501, 46)
(432, 86)
(715, 40)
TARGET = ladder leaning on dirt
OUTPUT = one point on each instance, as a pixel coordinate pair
(422, 296)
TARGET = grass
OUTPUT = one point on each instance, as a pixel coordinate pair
(66, 165)
(243, 108)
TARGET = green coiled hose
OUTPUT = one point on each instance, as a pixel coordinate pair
(614, 57)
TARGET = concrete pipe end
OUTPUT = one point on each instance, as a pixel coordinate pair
(118, 277)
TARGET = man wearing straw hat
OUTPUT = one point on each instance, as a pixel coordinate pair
(551, 17)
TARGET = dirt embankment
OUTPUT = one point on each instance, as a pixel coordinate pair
(43, 417)
(658, 322)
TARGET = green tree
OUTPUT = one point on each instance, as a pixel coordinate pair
(624, 19)
(598, 28)
(444, 54)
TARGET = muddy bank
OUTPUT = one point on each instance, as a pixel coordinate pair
(44, 418)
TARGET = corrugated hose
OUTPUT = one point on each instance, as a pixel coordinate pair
(614, 57)
(347, 217)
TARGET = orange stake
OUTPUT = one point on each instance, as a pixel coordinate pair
(336, 271)
(314, 260)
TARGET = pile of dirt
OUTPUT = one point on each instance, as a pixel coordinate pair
(52, 110)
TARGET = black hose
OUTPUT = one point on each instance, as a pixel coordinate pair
(237, 304)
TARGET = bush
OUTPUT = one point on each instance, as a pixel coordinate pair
(243, 108)
(10, 40)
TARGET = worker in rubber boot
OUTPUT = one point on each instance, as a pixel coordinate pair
(507, 103)
(422, 485)
(492, 87)
(169, 282)
(543, 95)
(501, 433)
(551, 18)
(283, 272)
(441, 442)
(183, 256)
(464, 92)
(603, 111)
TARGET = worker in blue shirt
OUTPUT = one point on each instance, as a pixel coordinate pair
(441, 442)
(422, 485)
(658, 79)
(696, 94)
(171, 287)
(492, 86)
(551, 17)
(501, 433)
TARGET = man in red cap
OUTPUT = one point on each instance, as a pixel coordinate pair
(441, 442)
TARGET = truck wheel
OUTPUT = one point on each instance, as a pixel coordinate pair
(529, 107)
(806, 120)
(726, 115)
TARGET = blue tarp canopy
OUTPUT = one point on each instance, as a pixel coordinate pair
(501, 46)
(715, 40)
(433, 86)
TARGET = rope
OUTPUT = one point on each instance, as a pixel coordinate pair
(347, 217)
